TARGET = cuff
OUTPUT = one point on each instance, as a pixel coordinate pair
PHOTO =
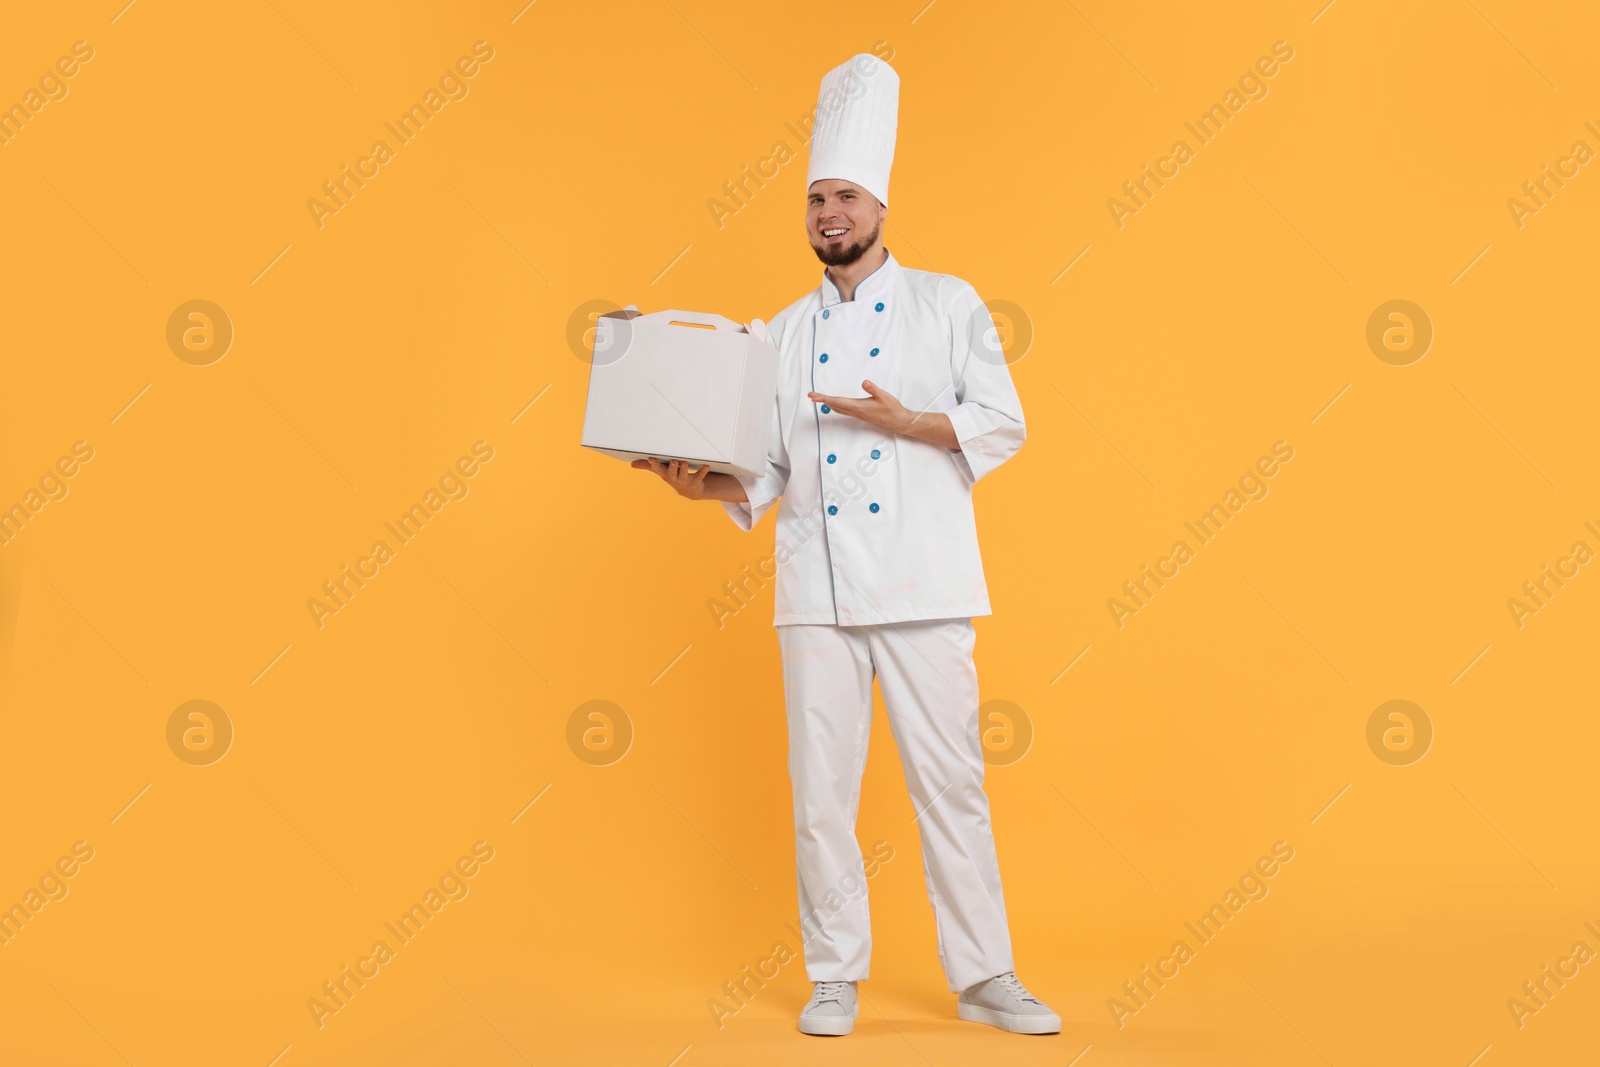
(961, 421)
(746, 513)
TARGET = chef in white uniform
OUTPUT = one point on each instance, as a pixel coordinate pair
(894, 399)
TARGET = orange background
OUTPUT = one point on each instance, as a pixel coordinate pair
(369, 354)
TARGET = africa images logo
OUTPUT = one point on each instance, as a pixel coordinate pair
(452, 85)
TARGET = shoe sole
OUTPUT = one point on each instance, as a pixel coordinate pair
(829, 1025)
(1013, 1024)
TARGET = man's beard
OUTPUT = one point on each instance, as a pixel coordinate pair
(844, 255)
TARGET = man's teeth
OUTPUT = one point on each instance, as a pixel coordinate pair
(832, 233)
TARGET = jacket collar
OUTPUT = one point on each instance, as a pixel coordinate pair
(872, 287)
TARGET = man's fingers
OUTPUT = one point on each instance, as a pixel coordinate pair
(849, 404)
(661, 467)
(675, 472)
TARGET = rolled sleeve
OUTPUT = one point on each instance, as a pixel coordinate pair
(987, 418)
(763, 491)
(759, 496)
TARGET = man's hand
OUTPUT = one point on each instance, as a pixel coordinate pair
(701, 485)
(884, 411)
(675, 472)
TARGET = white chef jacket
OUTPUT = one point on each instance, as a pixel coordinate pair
(876, 527)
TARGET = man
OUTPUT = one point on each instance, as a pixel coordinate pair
(892, 402)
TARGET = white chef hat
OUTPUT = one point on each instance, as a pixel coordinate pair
(858, 108)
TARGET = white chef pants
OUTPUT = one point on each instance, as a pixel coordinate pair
(930, 687)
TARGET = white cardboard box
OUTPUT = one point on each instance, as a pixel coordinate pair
(681, 385)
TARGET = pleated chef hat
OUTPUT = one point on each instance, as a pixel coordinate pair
(858, 108)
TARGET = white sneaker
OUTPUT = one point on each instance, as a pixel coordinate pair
(832, 1011)
(1004, 1002)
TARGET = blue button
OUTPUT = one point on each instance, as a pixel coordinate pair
(825, 409)
(832, 458)
(833, 509)
(876, 307)
(873, 352)
(876, 454)
(823, 358)
(824, 314)
(872, 507)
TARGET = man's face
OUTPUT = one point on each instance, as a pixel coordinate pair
(843, 221)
